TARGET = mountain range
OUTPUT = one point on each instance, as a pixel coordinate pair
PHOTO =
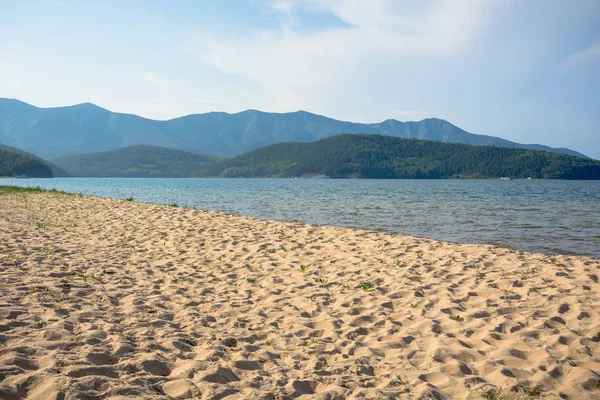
(86, 128)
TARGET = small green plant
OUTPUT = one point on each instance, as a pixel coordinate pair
(41, 225)
(347, 287)
(324, 363)
(399, 263)
(492, 394)
(122, 282)
(323, 281)
(303, 268)
(365, 286)
(535, 391)
(129, 199)
(219, 258)
(268, 342)
(296, 221)
(413, 305)
(32, 290)
(437, 329)
(174, 205)
(283, 248)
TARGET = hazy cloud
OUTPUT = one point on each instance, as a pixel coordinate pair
(588, 56)
(294, 66)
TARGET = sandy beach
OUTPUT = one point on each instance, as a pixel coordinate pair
(110, 299)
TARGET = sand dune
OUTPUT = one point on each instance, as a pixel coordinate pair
(108, 299)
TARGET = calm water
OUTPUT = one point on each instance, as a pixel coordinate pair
(541, 216)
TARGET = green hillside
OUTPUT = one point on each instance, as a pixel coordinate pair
(376, 156)
(57, 172)
(13, 163)
(136, 161)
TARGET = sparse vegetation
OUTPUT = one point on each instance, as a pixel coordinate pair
(492, 394)
(535, 391)
(365, 286)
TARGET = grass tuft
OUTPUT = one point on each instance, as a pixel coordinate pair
(492, 394)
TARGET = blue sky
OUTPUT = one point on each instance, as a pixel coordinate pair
(526, 71)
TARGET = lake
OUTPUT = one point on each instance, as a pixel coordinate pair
(553, 217)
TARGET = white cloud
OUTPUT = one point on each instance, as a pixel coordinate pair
(294, 67)
(152, 78)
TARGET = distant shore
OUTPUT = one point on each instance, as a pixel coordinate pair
(122, 300)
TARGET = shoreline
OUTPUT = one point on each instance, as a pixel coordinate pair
(122, 300)
(554, 244)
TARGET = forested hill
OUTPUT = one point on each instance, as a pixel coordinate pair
(56, 170)
(376, 156)
(14, 163)
(136, 162)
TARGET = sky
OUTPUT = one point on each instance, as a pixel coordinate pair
(527, 71)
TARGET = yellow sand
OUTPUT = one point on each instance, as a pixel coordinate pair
(111, 299)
